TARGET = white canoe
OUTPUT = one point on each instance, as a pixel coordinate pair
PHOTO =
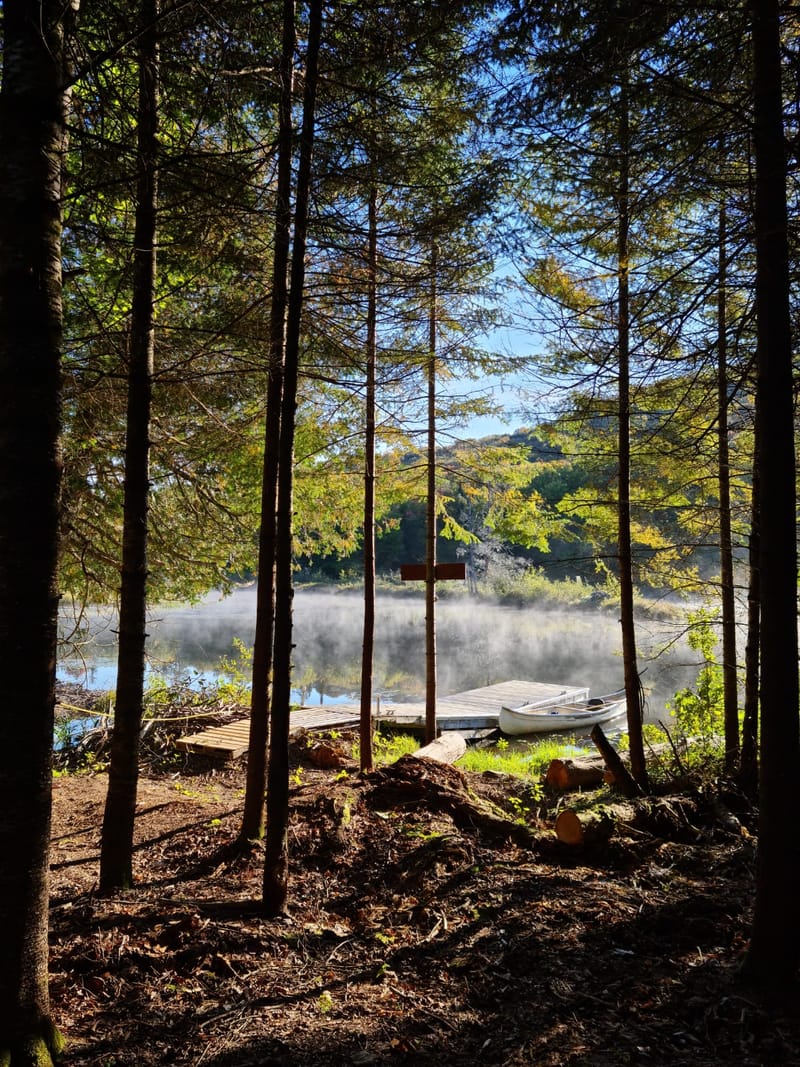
(575, 715)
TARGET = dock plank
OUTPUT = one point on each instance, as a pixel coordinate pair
(233, 738)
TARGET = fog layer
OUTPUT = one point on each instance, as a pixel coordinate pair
(478, 644)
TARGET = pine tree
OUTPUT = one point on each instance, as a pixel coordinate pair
(32, 137)
(116, 851)
(774, 953)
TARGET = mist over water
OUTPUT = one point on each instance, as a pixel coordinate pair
(478, 644)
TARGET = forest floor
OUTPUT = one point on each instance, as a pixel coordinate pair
(413, 937)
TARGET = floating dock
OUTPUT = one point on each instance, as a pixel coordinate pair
(472, 710)
(475, 709)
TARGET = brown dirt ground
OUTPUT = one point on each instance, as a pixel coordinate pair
(409, 940)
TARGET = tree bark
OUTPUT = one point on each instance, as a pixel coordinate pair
(633, 685)
(116, 852)
(430, 517)
(729, 673)
(276, 857)
(253, 817)
(368, 647)
(774, 953)
(748, 770)
(32, 139)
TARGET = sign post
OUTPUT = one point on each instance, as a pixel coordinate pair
(442, 572)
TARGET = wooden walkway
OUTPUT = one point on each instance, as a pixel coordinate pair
(233, 739)
(474, 709)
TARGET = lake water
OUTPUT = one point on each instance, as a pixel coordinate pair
(478, 644)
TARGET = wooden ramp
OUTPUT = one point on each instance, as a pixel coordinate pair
(474, 709)
(230, 740)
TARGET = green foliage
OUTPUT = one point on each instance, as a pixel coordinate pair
(92, 764)
(652, 734)
(517, 583)
(451, 529)
(238, 671)
(520, 809)
(699, 712)
(62, 734)
(490, 493)
(324, 1002)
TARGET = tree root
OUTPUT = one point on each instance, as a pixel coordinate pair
(35, 1050)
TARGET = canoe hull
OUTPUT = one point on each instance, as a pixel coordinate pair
(578, 715)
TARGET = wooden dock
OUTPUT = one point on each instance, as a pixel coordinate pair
(233, 739)
(474, 709)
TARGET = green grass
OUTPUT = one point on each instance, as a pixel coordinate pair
(525, 759)
(388, 747)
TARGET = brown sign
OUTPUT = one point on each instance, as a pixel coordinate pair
(443, 572)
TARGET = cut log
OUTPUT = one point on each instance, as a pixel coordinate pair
(584, 827)
(566, 774)
(446, 748)
(326, 754)
(623, 779)
(668, 818)
(589, 772)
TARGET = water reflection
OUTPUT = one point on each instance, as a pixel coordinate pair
(478, 644)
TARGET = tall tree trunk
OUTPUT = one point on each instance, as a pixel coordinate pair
(633, 686)
(368, 647)
(253, 818)
(430, 516)
(276, 858)
(32, 138)
(116, 853)
(748, 769)
(774, 954)
(729, 679)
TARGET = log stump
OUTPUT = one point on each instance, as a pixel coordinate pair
(446, 748)
(669, 818)
(584, 827)
(566, 774)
